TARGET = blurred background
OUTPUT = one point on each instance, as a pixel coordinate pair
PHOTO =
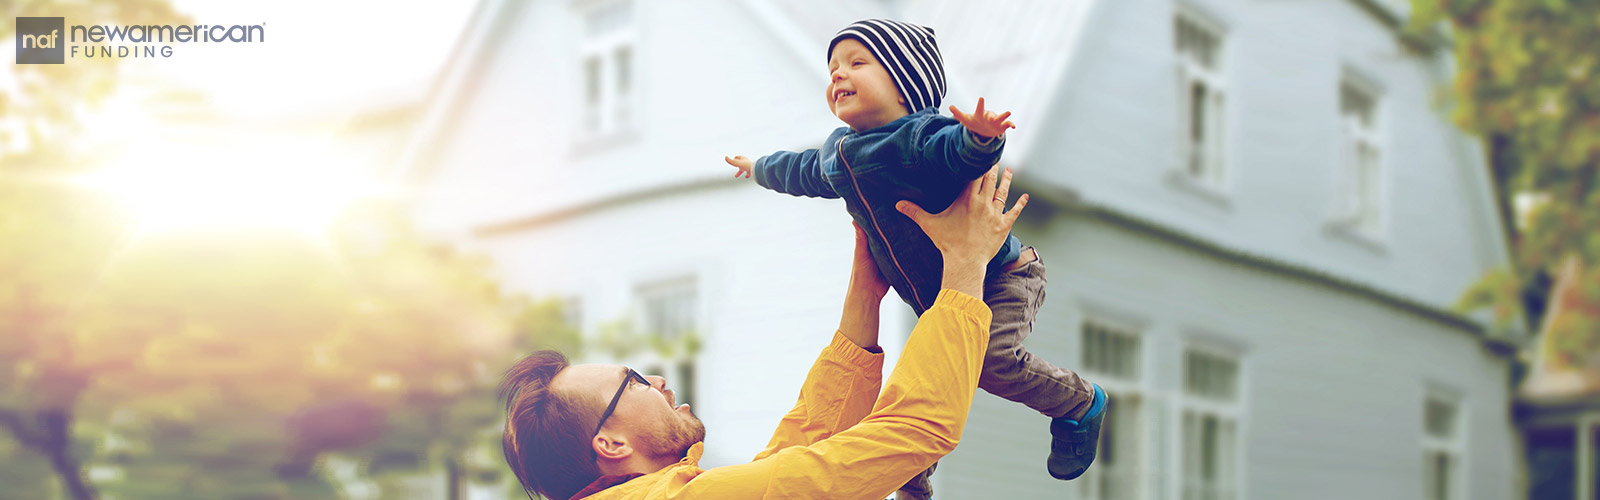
(1312, 249)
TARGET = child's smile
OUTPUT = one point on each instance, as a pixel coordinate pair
(860, 91)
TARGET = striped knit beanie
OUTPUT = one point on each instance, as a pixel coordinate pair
(908, 52)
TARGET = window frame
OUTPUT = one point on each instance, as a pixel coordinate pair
(1454, 446)
(613, 112)
(1232, 411)
(1353, 199)
(1119, 388)
(682, 369)
(1212, 179)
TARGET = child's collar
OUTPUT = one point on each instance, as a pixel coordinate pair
(933, 110)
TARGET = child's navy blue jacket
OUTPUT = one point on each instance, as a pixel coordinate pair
(923, 157)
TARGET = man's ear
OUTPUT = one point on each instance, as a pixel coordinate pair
(611, 446)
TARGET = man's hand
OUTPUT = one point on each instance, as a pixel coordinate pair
(744, 164)
(970, 232)
(984, 123)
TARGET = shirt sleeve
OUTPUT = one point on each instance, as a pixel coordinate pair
(918, 419)
(798, 174)
(838, 392)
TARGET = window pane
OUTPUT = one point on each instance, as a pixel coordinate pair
(1551, 462)
(591, 80)
(1438, 475)
(1181, 36)
(1356, 103)
(1196, 43)
(1110, 351)
(591, 93)
(1214, 122)
(1208, 448)
(624, 84)
(572, 312)
(607, 18)
(624, 67)
(683, 389)
(1439, 418)
(1197, 132)
(1116, 474)
(1210, 456)
(1370, 186)
(669, 308)
(1211, 376)
(1197, 112)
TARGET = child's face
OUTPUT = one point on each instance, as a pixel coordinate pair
(860, 91)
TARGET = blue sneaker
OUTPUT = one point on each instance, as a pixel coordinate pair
(920, 487)
(1073, 443)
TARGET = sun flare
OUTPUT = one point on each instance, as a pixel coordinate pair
(175, 198)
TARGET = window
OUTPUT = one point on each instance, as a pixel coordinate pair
(1111, 358)
(1210, 432)
(1200, 98)
(572, 312)
(1441, 447)
(606, 64)
(1361, 176)
(669, 317)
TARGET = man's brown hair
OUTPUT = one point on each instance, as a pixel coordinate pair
(548, 432)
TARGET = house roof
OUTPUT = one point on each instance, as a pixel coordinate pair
(490, 21)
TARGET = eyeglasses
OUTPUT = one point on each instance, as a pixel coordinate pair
(632, 376)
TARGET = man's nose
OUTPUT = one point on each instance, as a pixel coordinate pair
(657, 381)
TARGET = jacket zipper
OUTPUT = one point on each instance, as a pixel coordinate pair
(874, 218)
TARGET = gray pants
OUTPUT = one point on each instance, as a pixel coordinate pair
(1009, 370)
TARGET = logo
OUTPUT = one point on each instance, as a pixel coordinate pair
(47, 40)
(41, 40)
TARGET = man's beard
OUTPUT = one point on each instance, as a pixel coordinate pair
(675, 439)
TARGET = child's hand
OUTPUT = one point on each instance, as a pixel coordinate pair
(744, 164)
(984, 123)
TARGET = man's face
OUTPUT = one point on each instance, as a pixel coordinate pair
(647, 414)
(860, 91)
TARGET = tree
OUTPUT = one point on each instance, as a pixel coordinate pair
(1526, 81)
(52, 238)
(254, 355)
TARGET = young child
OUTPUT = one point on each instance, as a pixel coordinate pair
(887, 80)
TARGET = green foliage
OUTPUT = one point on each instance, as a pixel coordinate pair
(1526, 81)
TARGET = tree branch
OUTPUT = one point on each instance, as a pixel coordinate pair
(19, 429)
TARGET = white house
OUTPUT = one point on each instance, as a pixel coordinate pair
(1254, 220)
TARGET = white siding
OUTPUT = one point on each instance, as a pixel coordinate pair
(1116, 132)
(1333, 383)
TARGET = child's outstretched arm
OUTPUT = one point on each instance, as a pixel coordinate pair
(798, 174)
(969, 150)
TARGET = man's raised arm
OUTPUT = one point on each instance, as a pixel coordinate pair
(846, 378)
(922, 411)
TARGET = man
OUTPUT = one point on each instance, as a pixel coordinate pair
(605, 432)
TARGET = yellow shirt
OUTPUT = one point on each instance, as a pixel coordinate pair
(829, 446)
